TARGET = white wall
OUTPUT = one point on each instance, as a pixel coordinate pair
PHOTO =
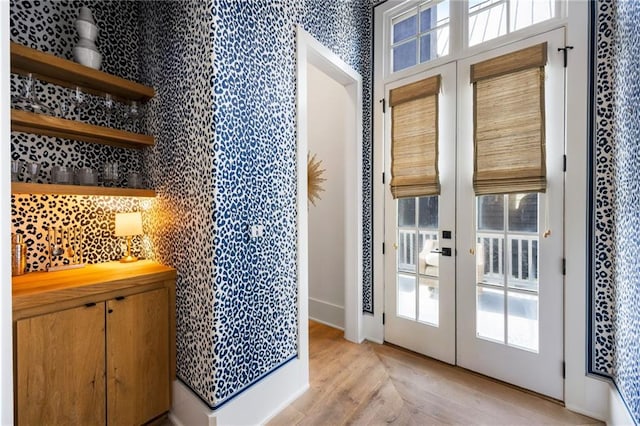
(327, 116)
(6, 380)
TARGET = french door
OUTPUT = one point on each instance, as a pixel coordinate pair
(420, 260)
(495, 305)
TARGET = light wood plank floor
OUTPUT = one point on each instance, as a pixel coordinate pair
(371, 384)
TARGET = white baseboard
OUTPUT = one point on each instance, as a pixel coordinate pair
(255, 406)
(373, 328)
(326, 313)
(618, 413)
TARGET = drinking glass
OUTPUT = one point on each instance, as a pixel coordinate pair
(110, 173)
(33, 170)
(16, 169)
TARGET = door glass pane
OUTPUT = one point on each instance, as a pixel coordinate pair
(490, 313)
(407, 250)
(523, 320)
(491, 213)
(428, 308)
(407, 212)
(406, 296)
(507, 258)
(418, 260)
(428, 212)
(523, 212)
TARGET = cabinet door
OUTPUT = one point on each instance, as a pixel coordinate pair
(137, 358)
(60, 368)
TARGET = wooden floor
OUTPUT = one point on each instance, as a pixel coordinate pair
(371, 384)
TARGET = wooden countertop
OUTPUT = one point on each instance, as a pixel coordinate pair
(40, 292)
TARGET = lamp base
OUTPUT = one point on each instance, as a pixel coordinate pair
(129, 259)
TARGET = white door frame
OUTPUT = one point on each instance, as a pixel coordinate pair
(311, 51)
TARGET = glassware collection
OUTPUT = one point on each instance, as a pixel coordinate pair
(71, 107)
(87, 176)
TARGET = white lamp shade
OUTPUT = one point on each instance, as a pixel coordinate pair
(128, 224)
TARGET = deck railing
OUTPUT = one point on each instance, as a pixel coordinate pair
(522, 255)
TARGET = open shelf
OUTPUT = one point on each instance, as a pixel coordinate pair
(63, 72)
(24, 121)
(44, 188)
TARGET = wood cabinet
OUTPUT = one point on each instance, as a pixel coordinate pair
(137, 358)
(94, 346)
(60, 376)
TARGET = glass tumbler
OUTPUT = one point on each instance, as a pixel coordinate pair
(16, 169)
(110, 173)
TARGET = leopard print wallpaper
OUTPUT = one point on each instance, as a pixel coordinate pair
(224, 159)
(615, 181)
(48, 26)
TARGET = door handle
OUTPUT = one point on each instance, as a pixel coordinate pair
(445, 251)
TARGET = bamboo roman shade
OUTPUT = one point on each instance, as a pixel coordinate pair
(414, 139)
(509, 125)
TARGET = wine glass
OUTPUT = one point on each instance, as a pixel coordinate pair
(107, 107)
(132, 114)
(28, 98)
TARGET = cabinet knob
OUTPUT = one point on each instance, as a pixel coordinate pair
(110, 310)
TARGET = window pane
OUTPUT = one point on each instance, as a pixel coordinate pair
(428, 212)
(427, 20)
(443, 41)
(442, 11)
(429, 261)
(488, 24)
(490, 314)
(404, 56)
(528, 12)
(523, 212)
(407, 212)
(475, 5)
(406, 297)
(427, 47)
(491, 213)
(405, 29)
(428, 310)
(523, 320)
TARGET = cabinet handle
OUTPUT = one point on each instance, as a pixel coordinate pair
(120, 298)
(88, 305)
(110, 310)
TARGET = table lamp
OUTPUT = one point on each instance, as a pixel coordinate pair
(128, 225)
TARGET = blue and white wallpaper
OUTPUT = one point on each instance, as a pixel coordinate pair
(615, 290)
(255, 302)
(225, 159)
(224, 119)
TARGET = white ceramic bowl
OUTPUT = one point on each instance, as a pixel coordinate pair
(86, 29)
(87, 57)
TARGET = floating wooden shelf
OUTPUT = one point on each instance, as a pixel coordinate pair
(63, 72)
(40, 124)
(43, 188)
